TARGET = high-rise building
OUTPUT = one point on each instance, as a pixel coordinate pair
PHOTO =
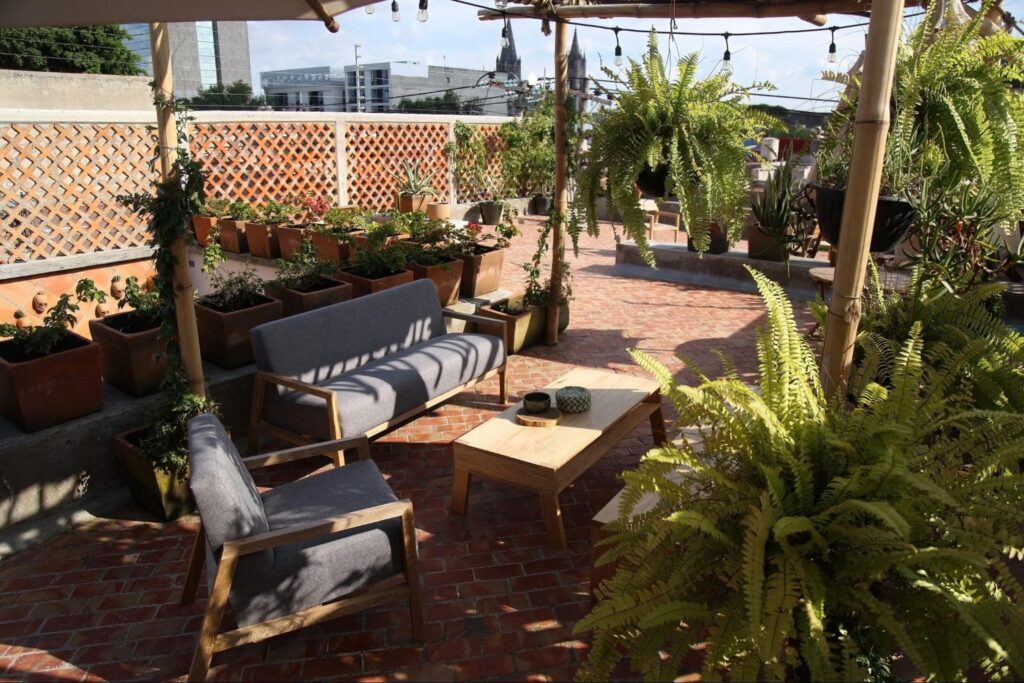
(203, 53)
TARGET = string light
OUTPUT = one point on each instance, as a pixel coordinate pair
(618, 48)
(369, 9)
(395, 16)
(504, 33)
(422, 14)
(501, 4)
(832, 58)
(727, 56)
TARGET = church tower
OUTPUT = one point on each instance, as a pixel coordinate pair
(508, 61)
(578, 73)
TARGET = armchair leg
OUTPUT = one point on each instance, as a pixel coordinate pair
(364, 449)
(215, 606)
(259, 393)
(412, 574)
(503, 385)
(195, 567)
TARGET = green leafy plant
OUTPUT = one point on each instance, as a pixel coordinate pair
(469, 156)
(235, 291)
(773, 209)
(536, 292)
(528, 156)
(807, 540)
(274, 213)
(241, 211)
(39, 340)
(692, 129)
(414, 181)
(215, 208)
(302, 271)
(377, 257)
(144, 301)
(343, 220)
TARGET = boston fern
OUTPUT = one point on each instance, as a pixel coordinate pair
(694, 128)
(805, 540)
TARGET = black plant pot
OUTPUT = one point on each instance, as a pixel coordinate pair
(541, 205)
(893, 217)
(651, 181)
(490, 213)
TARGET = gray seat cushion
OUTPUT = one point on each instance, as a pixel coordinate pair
(317, 571)
(324, 343)
(386, 388)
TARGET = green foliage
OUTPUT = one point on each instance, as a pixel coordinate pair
(537, 293)
(70, 49)
(468, 154)
(378, 257)
(144, 301)
(695, 129)
(235, 96)
(414, 181)
(215, 208)
(449, 103)
(274, 213)
(241, 211)
(40, 340)
(234, 291)
(807, 540)
(773, 208)
(302, 270)
(340, 221)
(528, 159)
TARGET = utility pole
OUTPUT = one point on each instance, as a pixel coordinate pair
(359, 82)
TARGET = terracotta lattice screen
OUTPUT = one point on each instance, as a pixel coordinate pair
(374, 151)
(259, 160)
(469, 193)
(59, 184)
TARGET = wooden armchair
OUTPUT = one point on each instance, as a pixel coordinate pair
(311, 550)
(654, 223)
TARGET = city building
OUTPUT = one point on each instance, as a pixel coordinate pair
(203, 53)
(578, 74)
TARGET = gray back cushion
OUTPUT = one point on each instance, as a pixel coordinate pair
(330, 341)
(230, 507)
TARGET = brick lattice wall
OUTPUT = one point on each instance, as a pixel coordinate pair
(374, 151)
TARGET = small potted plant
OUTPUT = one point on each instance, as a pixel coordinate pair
(439, 210)
(312, 208)
(483, 255)
(231, 230)
(378, 265)
(414, 189)
(302, 283)
(49, 374)
(333, 238)
(436, 256)
(770, 238)
(226, 316)
(212, 212)
(469, 155)
(131, 347)
(261, 233)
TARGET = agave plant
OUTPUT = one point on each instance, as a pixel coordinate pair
(414, 181)
(811, 540)
(692, 129)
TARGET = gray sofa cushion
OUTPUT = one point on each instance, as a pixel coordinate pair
(321, 344)
(386, 388)
(314, 572)
(229, 505)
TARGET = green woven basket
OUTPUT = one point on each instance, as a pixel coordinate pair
(572, 399)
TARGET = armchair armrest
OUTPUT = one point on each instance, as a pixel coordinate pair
(292, 383)
(302, 452)
(479, 320)
(325, 527)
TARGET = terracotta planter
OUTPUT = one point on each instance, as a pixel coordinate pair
(447, 277)
(490, 212)
(407, 203)
(719, 240)
(481, 273)
(224, 336)
(203, 226)
(438, 211)
(362, 286)
(330, 248)
(293, 301)
(262, 240)
(761, 246)
(232, 236)
(134, 358)
(524, 329)
(289, 239)
(164, 495)
(36, 393)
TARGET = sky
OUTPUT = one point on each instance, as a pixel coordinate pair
(452, 35)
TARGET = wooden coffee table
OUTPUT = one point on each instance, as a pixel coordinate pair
(549, 459)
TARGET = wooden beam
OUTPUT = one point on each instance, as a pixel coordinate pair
(184, 308)
(329, 21)
(686, 10)
(561, 178)
(871, 128)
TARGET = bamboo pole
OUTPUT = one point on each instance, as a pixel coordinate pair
(561, 179)
(184, 310)
(871, 128)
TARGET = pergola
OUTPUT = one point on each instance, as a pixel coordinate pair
(870, 131)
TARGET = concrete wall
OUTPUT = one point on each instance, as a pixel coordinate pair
(47, 90)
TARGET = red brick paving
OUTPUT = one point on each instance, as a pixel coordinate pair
(100, 602)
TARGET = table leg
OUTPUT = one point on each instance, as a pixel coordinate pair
(658, 424)
(553, 519)
(460, 491)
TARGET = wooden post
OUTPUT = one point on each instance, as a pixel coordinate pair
(185, 312)
(871, 129)
(561, 179)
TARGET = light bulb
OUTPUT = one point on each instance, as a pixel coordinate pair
(395, 16)
(618, 55)
(727, 67)
(422, 14)
(501, 4)
(369, 9)
(832, 57)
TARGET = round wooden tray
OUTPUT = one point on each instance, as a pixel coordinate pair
(549, 418)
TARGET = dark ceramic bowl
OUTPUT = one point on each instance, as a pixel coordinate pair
(537, 401)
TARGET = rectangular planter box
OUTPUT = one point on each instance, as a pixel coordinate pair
(289, 239)
(526, 329)
(165, 495)
(481, 273)
(133, 361)
(41, 392)
(329, 248)
(293, 301)
(447, 278)
(407, 203)
(203, 226)
(362, 286)
(232, 236)
(262, 240)
(224, 337)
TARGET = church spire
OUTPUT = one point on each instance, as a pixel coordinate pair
(508, 61)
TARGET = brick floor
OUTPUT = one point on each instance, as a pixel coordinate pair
(100, 602)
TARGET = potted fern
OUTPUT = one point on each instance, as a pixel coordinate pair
(333, 237)
(49, 374)
(684, 137)
(225, 317)
(770, 238)
(203, 224)
(810, 539)
(378, 264)
(131, 347)
(414, 189)
(302, 283)
(261, 232)
(231, 230)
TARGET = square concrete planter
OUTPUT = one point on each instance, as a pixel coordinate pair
(232, 236)
(224, 335)
(361, 286)
(203, 226)
(523, 330)
(330, 248)
(289, 239)
(447, 278)
(262, 240)
(36, 393)
(163, 494)
(481, 273)
(134, 357)
(328, 292)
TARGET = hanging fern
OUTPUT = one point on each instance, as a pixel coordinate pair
(812, 541)
(694, 128)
